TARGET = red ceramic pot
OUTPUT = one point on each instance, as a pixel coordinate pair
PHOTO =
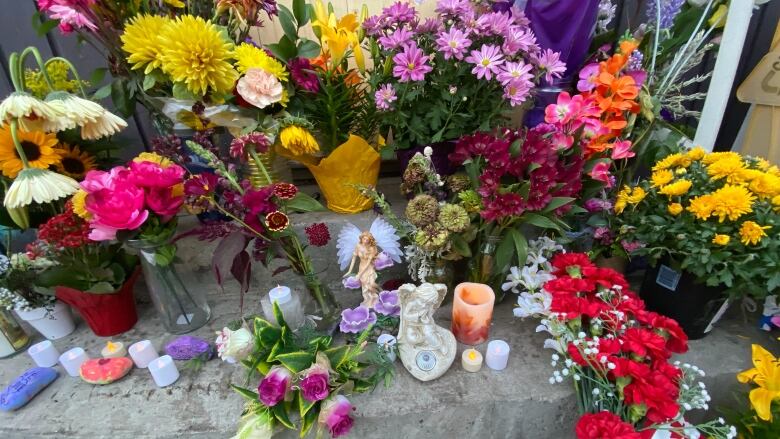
(106, 314)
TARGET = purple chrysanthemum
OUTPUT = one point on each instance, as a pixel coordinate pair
(550, 61)
(411, 64)
(395, 40)
(399, 13)
(487, 61)
(385, 97)
(453, 8)
(518, 39)
(453, 43)
(494, 23)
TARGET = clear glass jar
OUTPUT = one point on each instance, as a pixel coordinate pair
(181, 310)
(12, 337)
(324, 306)
(442, 272)
(482, 268)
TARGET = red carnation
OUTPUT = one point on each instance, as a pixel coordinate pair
(285, 191)
(676, 340)
(575, 261)
(606, 277)
(276, 221)
(644, 342)
(658, 392)
(318, 234)
(604, 425)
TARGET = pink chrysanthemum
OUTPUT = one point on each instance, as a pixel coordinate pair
(453, 43)
(411, 64)
(397, 39)
(551, 63)
(385, 97)
(487, 61)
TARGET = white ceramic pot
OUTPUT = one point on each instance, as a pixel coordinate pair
(56, 325)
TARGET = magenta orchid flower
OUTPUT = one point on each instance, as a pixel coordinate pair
(600, 172)
(411, 64)
(622, 150)
(487, 61)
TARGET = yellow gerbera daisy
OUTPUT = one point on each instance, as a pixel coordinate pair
(701, 207)
(675, 209)
(75, 163)
(677, 188)
(765, 185)
(730, 168)
(298, 140)
(715, 156)
(671, 161)
(721, 239)
(78, 201)
(39, 148)
(154, 158)
(732, 201)
(196, 53)
(751, 233)
(142, 43)
(248, 57)
(696, 154)
(661, 177)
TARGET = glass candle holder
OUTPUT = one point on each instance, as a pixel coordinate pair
(472, 311)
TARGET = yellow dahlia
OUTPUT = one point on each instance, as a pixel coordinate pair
(674, 209)
(661, 177)
(298, 140)
(730, 168)
(75, 163)
(716, 156)
(141, 41)
(677, 188)
(732, 201)
(196, 53)
(765, 185)
(701, 207)
(721, 239)
(696, 154)
(154, 158)
(78, 202)
(671, 161)
(751, 233)
(38, 147)
(250, 57)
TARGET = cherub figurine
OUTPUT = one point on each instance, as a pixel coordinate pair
(354, 245)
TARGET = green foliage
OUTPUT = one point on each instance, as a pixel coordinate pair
(747, 422)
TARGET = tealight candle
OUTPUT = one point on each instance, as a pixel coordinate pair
(143, 353)
(497, 354)
(72, 360)
(164, 371)
(44, 354)
(387, 342)
(471, 360)
(289, 303)
(114, 350)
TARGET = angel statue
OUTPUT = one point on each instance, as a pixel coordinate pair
(355, 245)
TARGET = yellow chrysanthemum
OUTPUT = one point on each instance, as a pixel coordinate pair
(748, 175)
(154, 158)
(676, 189)
(732, 201)
(671, 161)
(250, 57)
(721, 239)
(680, 171)
(621, 201)
(716, 156)
(141, 41)
(75, 163)
(78, 201)
(696, 154)
(701, 207)
(730, 168)
(674, 208)
(39, 148)
(661, 177)
(174, 3)
(776, 202)
(765, 185)
(196, 53)
(636, 195)
(751, 233)
(298, 140)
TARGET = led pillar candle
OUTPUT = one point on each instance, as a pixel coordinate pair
(472, 311)
(471, 360)
(143, 353)
(164, 371)
(114, 350)
(72, 360)
(497, 354)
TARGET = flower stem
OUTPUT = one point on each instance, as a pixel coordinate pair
(19, 149)
(260, 165)
(39, 60)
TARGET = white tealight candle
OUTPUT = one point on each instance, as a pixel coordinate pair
(280, 295)
(114, 350)
(471, 360)
(497, 354)
(44, 354)
(143, 353)
(387, 342)
(289, 304)
(72, 361)
(164, 371)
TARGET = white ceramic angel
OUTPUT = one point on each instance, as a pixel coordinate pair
(354, 245)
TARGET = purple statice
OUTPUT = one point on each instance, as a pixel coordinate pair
(356, 320)
(170, 146)
(487, 61)
(669, 11)
(605, 15)
(635, 60)
(453, 43)
(396, 39)
(519, 39)
(398, 13)
(494, 23)
(550, 61)
(411, 64)
(385, 97)
(453, 8)
(388, 303)
(303, 76)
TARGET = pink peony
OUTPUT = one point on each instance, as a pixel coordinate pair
(260, 88)
(314, 385)
(274, 386)
(165, 201)
(120, 207)
(153, 175)
(335, 415)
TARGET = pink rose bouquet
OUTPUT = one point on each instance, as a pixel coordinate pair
(274, 386)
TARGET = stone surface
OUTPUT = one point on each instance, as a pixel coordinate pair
(25, 387)
(188, 347)
(105, 370)
(517, 403)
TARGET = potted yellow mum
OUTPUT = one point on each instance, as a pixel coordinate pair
(708, 223)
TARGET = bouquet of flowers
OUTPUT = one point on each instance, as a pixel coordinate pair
(458, 72)
(761, 419)
(713, 214)
(304, 379)
(18, 289)
(618, 357)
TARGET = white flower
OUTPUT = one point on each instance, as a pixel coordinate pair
(39, 186)
(5, 263)
(596, 391)
(105, 125)
(533, 304)
(428, 151)
(30, 112)
(234, 346)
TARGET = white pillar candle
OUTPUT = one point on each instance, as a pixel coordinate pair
(497, 354)
(387, 342)
(471, 360)
(143, 353)
(44, 354)
(72, 361)
(114, 350)
(164, 371)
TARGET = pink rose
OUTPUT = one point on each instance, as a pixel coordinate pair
(152, 175)
(314, 385)
(120, 207)
(274, 386)
(259, 88)
(335, 415)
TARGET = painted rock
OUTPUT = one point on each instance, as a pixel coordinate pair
(188, 347)
(105, 370)
(25, 387)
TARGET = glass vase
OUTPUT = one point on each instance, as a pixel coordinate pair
(12, 337)
(325, 306)
(182, 310)
(442, 272)
(483, 269)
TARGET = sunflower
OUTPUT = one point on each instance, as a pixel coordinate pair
(298, 140)
(196, 53)
(677, 188)
(39, 148)
(250, 57)
(751, 233)
(732, 201)
(729, 168)
(662, 177)
(75, 163)
(142, 43)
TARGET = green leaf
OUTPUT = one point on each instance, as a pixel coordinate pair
(120, 96)
(521, 246)
(287, 21)
(773, 282)
(261, 324)
(504, 254)
(308, 422)
(149, 82)
(97, 75)
(304, 203)
(280, 413)
(269, 336)
(180, 91)
(336, 355)
(248, 394)
(460, 245)
(296, 361)
(308, 48)
(301, 12)
(102, 93)
(557, 202)
(278, 315)
(541, 221)
(284, 49)
(42, 28)
(304, 406)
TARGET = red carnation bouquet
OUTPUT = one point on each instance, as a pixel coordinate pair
(618, 355)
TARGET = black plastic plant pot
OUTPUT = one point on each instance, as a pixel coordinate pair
(695, 306)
